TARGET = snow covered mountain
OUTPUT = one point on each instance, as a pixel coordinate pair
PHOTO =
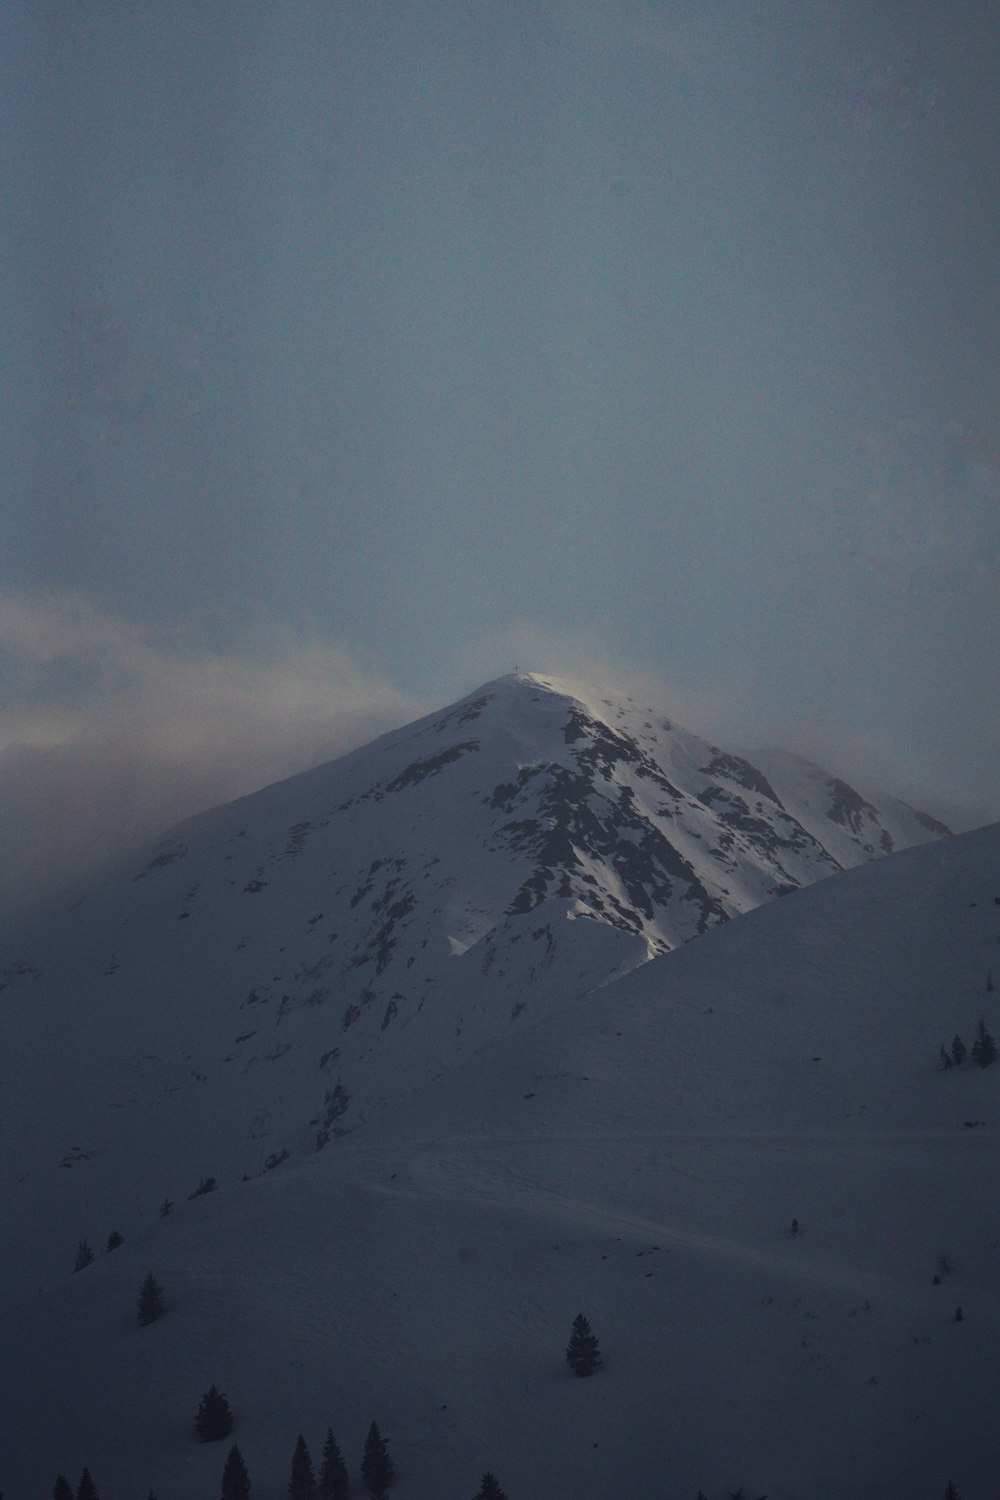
(282, 969)
(639, 1156)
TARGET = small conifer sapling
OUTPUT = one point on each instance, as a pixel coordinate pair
(235, 1478)
(150, 1300)
(984, 1048)
(214, 1418)
(582, 1353)
(489, 1489)
(86, 1489)
(302, 1480)
(334, 1483)
(61, 1489)
(376, 1467)
(84, 1256)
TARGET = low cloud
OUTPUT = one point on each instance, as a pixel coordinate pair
(111, 732)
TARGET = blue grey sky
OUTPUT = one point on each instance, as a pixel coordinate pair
(355, 350)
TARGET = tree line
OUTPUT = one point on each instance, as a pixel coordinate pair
(214, 1421)
(332, 1482)
(983, 1051)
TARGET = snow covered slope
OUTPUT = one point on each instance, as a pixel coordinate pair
(642, 1163)
(282, 969)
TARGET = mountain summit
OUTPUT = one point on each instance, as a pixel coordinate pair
(281, 969)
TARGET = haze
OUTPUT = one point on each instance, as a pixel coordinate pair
(354, 352)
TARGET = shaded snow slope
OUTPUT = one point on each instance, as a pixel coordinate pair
(643, 1165)
(841, 816)
(284, 969)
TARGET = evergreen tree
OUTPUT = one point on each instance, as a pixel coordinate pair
(215, 1416)
(958, 1052)
(582, 1353)
(489, 1489)
(165, 1208)
(302, 1482)
(235, 1479)
(333, 1481)
(944, 1060)
(84, 1256)
(150, 1300)
(950, 1493)
(376, 1467)
(984, 1048)
(114, 1240)
(86, 1489)
(61, 1489)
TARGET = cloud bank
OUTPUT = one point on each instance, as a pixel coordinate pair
(110, 732)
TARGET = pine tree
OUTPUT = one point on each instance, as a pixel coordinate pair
(951, 1493)
(944, 1060)
(114, 1240)
(984, 1048)
(165, 1208)
(582, 1353)
(376, 1467)
(215, 1416)
(150, 1300)
(302, 1482)
(333, 1479)
(958, 1051)
(84, 1256)
(235, 1479)
(489, 1489)
(86, 1489)
(61, 1489)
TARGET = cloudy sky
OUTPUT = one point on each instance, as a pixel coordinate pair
(355, 350)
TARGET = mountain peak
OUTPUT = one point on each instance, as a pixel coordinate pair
(368, 923)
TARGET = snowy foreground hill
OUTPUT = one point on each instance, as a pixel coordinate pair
(415, 1012)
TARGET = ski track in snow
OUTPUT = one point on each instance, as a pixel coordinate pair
(478, 1179)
